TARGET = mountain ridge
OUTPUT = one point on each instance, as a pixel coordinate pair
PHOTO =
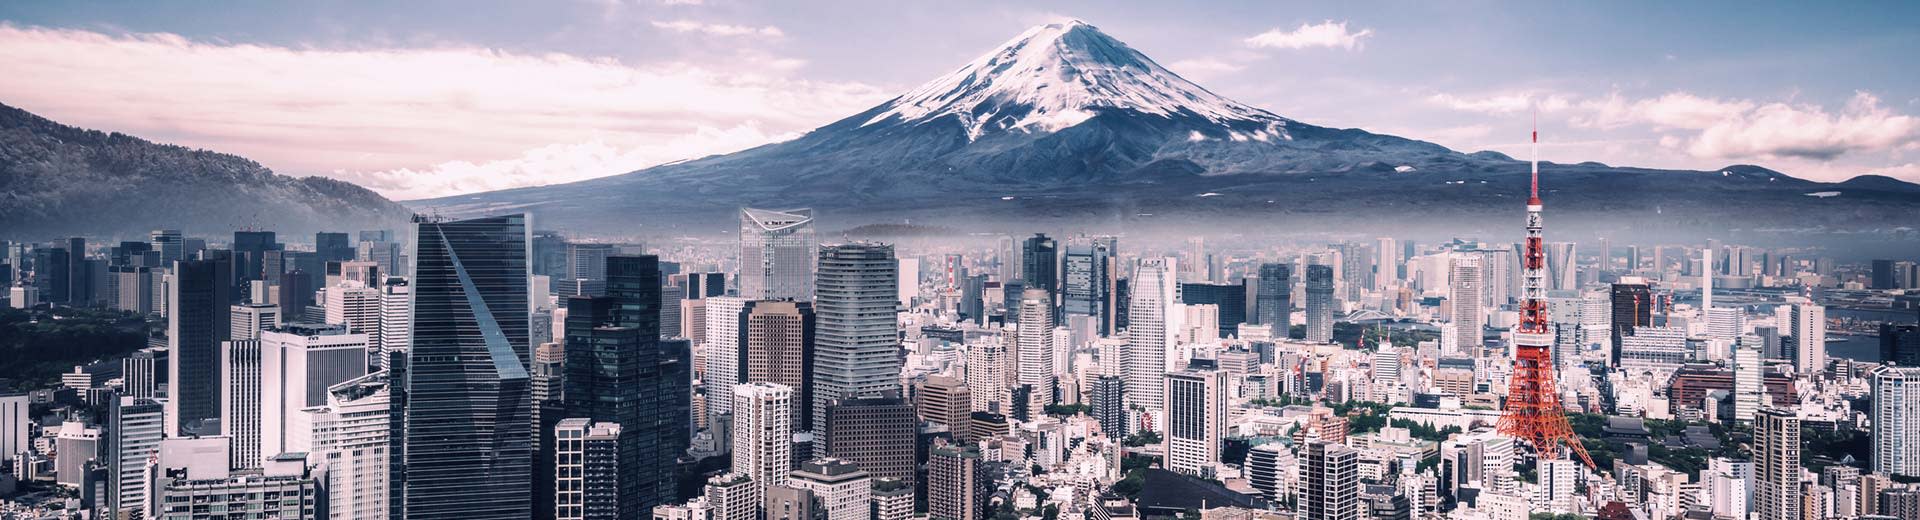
(58, 180)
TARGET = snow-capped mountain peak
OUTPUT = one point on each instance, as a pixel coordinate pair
(1056, 76)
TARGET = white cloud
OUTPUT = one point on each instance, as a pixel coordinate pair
(455, 117)
(1329, 34)
(718, 29)
(1712, 128)
(1783, 130)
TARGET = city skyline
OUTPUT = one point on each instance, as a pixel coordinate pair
(1063, 281)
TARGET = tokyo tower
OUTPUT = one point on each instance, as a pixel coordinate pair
(1533, 413)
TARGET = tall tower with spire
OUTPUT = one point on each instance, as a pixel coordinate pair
(1534, 414)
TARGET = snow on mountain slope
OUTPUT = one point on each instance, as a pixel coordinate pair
(1059, 75)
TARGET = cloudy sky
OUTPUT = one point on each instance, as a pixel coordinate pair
(447, 97)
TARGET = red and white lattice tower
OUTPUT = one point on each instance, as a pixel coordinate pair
(1533, 413)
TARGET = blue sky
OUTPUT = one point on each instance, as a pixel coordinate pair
(436, 98)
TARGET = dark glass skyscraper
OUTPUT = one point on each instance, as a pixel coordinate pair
(1273, 303)
(197, 321)
(1231, 300)
(333, 247)
(1087, 281)
(468, 414)
(617, 371)
(1632, 307)
(250, 252)
(1320, 303)
(1040, 263)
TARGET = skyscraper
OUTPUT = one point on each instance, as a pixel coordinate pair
(250, 252)
(587, 470)
(722, 351)
(945, 401)
(1151, 327)
(763, 433)
(240, 412)
(198, 311)
(1632, 308)
(957, 484)
(134, 428)
(1465, 294)
(1562, 274)
(297, 364)
(1776, 463)
(857, 337)
(618, 372)
(1109, 406)
(1196, 417)
(352, 435)
(1036, 349)
(1086, 287)
(1807, 323)
(1329, 482)
(170, 243)
(396, 302)
(776, 254)
(1386, 265)
(1900, 344)
(874, 432)
(1748, 376)
(777, 346)
(467, 452)
(1040, 263)
(841, 488)
(1896, 420)
(1273, 303)
(1320, 303)
(334, 247)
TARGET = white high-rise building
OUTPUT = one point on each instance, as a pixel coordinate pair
(763, 433)
(1725, 324)
(248, 319)
(1152, 324)
(351, 438)
(722, 349)
(1556, 490)
(1776, 464)
(1562, 274)
(136, 426)
(1329, 481)
(1748, 378)
(297, 364)
(15, 421)
(1807, 323)
(240, 411)
(986, 373)
(1896, 420)
(1036, 349)
(1464, 295)
(1387, 266)
(396, 300)
(843, 490)
(1728, 487)
(777, 254)
(358, 307)
(1196, 417)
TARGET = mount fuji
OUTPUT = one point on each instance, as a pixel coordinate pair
(1068, 126)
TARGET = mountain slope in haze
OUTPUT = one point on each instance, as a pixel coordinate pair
(57, 180)
(1067, 124)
